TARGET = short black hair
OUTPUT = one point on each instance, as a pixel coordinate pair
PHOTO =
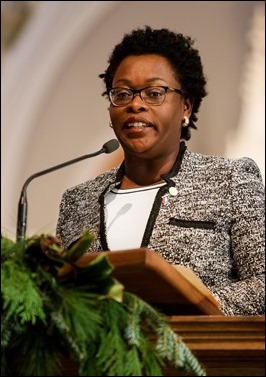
(177, 49)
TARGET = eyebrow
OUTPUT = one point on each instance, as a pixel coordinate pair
(150, 80)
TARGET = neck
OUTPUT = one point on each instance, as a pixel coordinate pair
(144, 172)
(130, 182)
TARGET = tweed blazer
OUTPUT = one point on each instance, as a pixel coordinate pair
(214, 225)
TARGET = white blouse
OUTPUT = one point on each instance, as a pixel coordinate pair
(126, 215)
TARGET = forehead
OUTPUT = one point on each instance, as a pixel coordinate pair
(150, 67)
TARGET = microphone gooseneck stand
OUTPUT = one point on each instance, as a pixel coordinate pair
(109, 147)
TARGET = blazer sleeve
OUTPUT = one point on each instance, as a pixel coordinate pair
(246, 296)
(71, 213)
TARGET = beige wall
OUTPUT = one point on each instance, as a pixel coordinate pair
(52, 108)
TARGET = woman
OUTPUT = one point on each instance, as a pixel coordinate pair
(204, 212)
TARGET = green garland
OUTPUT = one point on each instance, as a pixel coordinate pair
(51, 313)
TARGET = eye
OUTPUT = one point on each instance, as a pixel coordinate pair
(122, 94)
(154, 92)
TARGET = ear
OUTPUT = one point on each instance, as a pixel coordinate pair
(187, 107)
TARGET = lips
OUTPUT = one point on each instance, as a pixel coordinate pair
(136, 124)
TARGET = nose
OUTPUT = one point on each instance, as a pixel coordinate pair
(136, 94)
(137, 103)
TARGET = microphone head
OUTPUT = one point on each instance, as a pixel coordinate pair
(110, 146)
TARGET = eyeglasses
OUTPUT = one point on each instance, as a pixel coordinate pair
(152, 95)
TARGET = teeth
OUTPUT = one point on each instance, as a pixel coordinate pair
(137, 124)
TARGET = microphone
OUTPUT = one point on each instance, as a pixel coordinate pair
(109, 147)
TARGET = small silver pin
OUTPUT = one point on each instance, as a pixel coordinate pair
(172, 191)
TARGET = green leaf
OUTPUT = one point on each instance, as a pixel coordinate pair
(81, 246)
(85, 315)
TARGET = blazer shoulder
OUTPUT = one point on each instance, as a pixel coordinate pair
(220, 163)
(94, 184)
(248, 166)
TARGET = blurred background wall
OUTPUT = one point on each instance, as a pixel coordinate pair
(52, 108)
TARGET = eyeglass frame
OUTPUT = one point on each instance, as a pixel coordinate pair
(138, 91)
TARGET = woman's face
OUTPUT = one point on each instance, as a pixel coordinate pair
(148, 130)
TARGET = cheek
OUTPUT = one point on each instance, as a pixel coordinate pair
(170, 117)
(114, 112)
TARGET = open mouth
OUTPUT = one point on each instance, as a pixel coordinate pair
(138, 125)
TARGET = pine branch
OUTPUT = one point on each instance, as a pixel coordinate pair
(53, 309)
(20, 295)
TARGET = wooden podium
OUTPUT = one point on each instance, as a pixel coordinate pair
(172, 290)
(226, 346)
